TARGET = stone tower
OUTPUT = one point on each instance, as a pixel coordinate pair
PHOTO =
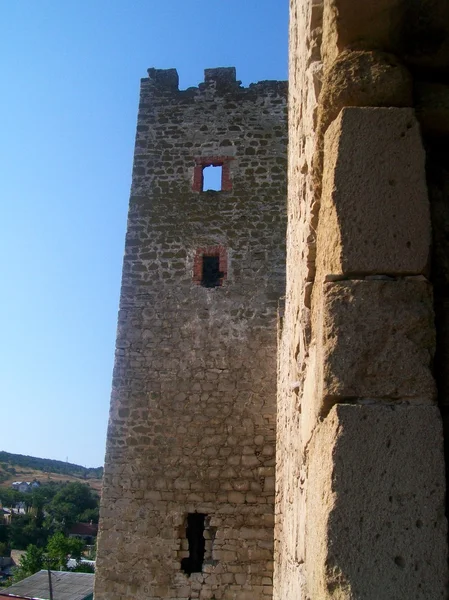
(188, 498)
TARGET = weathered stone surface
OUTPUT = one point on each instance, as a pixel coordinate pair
(370, 24)
(363, 78)
(375, 339)
(305, 74)
(372, 353)
(358, 78)
(192, 421)
(374, 215)
(415, 30)
(375, 505)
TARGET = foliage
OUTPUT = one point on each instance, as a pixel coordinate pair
(25, 530)
(71, 502)
(4, 549)
(31, 562)
(91, 514)
(10, 497)
(83, 568)
(51, 510)
(60, 548)
(50, 466)
(42, 495)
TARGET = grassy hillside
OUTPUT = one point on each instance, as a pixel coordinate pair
(18, 467)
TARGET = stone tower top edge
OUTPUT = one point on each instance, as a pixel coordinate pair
(167, 80)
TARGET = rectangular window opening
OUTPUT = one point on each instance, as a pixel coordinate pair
(197, 544)
(212, 276)
(212, 178)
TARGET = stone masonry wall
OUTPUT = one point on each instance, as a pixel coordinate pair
(294, 360)
(360, 483)
(192, 421)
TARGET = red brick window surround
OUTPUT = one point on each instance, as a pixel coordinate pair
(204, 260)
(201, 162)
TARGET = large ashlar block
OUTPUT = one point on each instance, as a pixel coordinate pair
(374, 215)
(372, 24)
(376, 527)
(376, 340)
(417, 31)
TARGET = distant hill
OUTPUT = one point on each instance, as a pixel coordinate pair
(19, 467)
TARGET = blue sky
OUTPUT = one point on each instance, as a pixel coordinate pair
(70, 72)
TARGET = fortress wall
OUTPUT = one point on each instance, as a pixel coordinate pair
(294, 357)
(360, 484)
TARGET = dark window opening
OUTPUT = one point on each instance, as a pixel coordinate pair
(212, 178)
(197, 544)
(212, 276)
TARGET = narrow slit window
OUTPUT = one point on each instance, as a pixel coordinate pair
(197, 544)
(212, 276)
(212, 178)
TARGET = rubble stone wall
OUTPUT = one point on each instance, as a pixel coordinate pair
(360, 484)
(193, 409)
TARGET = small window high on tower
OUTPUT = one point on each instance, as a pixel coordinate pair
(212, 173)
(212, 178)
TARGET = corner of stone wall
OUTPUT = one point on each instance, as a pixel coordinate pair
(358, 339)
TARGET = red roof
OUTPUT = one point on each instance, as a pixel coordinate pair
(84, 529)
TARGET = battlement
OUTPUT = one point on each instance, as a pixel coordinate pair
(221, 79)
(164, 78)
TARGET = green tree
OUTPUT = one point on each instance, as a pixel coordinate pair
(91, 514)
(10, 497)
(31, 562)
(70, 502)
(43, 495)
(60, 548)
(83, 568)
(25, 530)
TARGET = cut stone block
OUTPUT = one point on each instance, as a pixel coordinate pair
(361, 78)
(372, 24)
(415, 31)
(376, 339)
(374, 215)
(376, 526)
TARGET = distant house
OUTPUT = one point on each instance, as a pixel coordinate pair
(21, 486)
(72, 563)
(8, 564)
(16, 556)
(86, 531)
(65, 585)
(25, 486)
(7, 513)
